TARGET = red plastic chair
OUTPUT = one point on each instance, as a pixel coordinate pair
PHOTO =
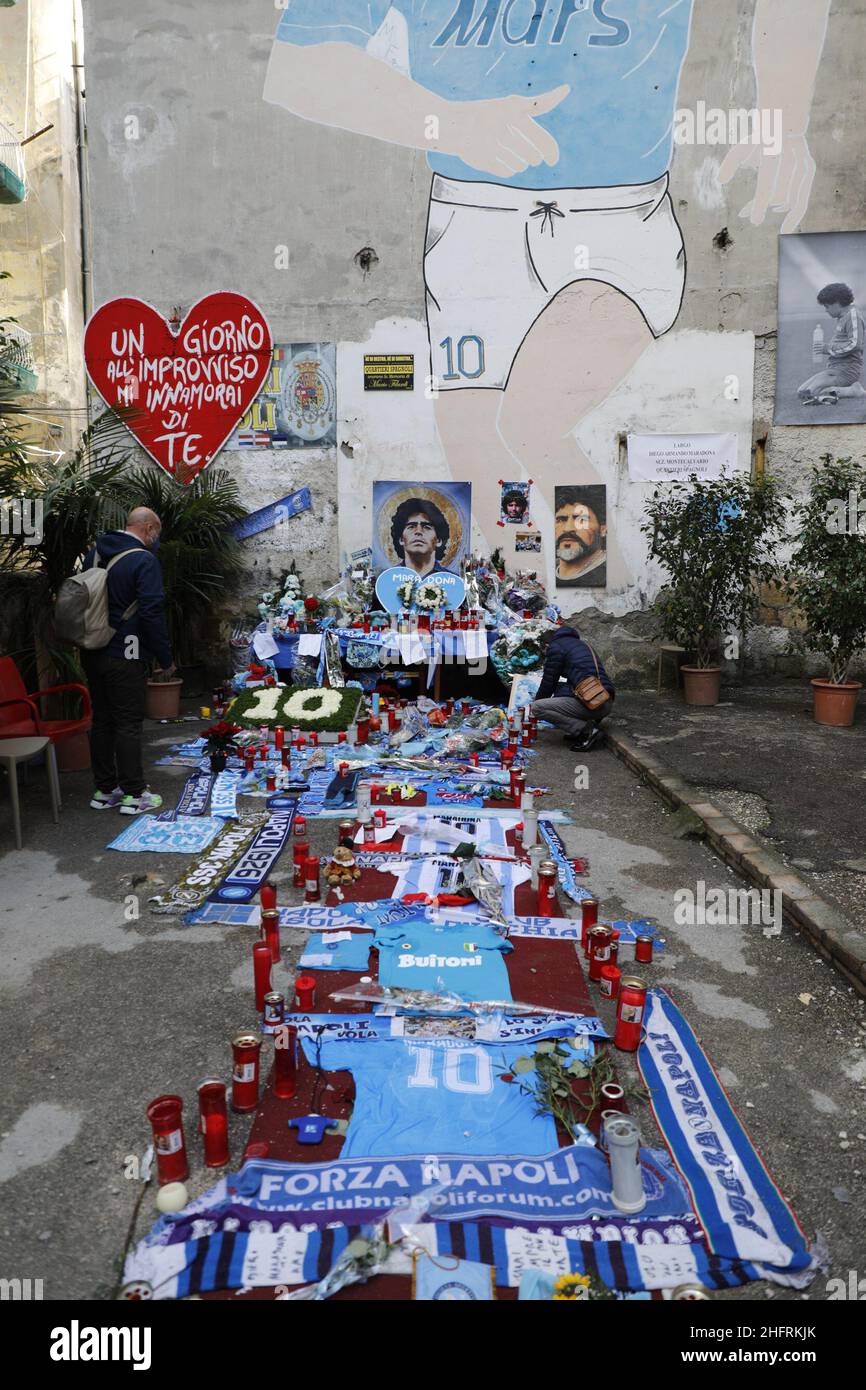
(20, 714)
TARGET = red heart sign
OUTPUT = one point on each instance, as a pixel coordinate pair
(184, 391)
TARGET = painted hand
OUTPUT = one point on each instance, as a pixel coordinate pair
(502, 136)
(784, 181)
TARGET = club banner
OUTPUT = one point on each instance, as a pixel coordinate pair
(184, 835)
(565, 1186)
(194, 799)
(191, 889)
(742, 1211)
(245, 878)
(272, 515)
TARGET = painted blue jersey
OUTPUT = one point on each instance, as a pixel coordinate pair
(436, 1095)
(325, 952)
(447, 959)
(621, 58)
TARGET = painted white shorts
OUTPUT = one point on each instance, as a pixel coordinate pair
(496, 256)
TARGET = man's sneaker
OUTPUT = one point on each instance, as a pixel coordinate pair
(104, 801)
(596, 738)
(135, 805)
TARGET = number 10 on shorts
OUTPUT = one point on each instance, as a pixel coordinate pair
(469, 357)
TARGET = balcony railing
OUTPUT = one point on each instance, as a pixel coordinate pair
(13, 183)
(16, 359)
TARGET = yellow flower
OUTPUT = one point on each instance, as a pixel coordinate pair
(565, 1289)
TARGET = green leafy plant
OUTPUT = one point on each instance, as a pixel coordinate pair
(717, 539)
(829, 564)
(79, 496)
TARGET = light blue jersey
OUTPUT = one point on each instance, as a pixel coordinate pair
(621, 58)
(447, 959)
(439, 1095)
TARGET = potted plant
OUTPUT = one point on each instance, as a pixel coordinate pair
(162, 698)
(716, 538)
(829, 565)
(220, 742)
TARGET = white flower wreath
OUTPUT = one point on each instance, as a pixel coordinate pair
(324, 704)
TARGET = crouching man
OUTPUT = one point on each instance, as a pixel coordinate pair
(569, 661)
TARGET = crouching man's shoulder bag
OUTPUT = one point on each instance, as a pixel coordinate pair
(590, 690)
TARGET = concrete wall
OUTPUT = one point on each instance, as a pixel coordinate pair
(217, 181)
(40, 239)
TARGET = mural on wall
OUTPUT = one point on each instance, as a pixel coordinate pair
(297, 406)
(422, 526)
(822, 296)
(580, 537)
(184, 383)
(553, 257)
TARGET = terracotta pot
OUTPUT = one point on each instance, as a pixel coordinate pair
(163, 699)
(701, 684)
(73, 754)
(835, 705)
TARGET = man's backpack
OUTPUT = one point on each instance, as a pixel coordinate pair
(81, 610)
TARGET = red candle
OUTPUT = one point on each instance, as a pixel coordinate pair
(164, 1114)
(299, 829)
(263, 753)
(300, 851)
(279, 737)
(286, 756)
(314, 740)
(588, 918)
(245, 1072)
(629, 1014)
(268, 897)
(547, 875)
(270, 781)
(250, 759)
(305, 993)
(599, 950)
(271, 933)
(609, 979)
(643, 949)
(214, 1122)
(261, 972)
(285, 1062)
(473, 759)
(341, 738)
(343, 769)
(363, 730)
(311, 880)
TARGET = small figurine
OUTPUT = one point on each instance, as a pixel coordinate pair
(342, 869)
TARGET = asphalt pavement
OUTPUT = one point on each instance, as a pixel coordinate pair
(103, 1006)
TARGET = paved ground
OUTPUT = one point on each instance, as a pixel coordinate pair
(762, 759)
(100, 1013)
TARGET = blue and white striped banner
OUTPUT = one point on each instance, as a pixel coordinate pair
(742, 1211)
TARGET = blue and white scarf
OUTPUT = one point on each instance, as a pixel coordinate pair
(193, 800)
(742, 1211)
(224, 795)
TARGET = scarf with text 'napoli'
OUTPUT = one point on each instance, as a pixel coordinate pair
(742, 1211)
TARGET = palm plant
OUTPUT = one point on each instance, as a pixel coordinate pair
(79, 497)
(199, 555)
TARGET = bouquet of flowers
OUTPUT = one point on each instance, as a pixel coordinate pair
(520, 647)
(425, 594)
(220, 738)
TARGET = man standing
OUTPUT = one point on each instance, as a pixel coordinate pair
(571, 659)
(117, 674)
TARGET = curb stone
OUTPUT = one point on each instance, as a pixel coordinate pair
(827, 930)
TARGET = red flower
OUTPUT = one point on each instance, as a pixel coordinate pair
(311, 604)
